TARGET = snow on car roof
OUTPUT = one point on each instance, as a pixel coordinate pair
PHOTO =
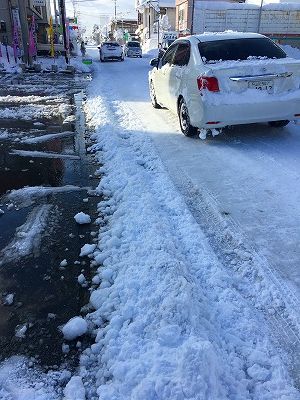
(210, 36)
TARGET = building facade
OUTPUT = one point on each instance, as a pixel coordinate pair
(22, 11)
(154, 16)
(185, 14)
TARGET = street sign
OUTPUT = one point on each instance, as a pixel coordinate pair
(38, 3)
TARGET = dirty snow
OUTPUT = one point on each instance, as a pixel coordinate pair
(28, 236)
(26, 196)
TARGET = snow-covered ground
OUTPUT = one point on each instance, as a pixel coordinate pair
(197, 291)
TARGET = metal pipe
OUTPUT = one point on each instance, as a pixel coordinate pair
(193, 12)
(259, 17)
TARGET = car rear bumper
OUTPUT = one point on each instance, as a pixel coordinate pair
(134, 54)
(245, 110)
(111, 56)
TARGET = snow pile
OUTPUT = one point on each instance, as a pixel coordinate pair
(74, 328)
(150, 47)
(292, 52)
(82, 218)
(18, 382)
(7, 60)
(74, 389)
(172, 323)
(45, 62)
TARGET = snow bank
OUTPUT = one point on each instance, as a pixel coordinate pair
(292, 52)
(45, 62)
(171, 321)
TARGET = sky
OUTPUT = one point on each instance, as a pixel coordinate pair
(90, 10)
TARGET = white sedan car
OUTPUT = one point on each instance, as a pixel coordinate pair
(220, 79)
(111, 51)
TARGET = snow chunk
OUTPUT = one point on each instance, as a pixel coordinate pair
(258, 373)
(74, 389)
(82, 218)
(75, 327)
(21, 331)
(64, 263)
(81, 279)
(9, 299)
(87, 249)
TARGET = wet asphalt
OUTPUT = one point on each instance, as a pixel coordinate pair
(45, 295)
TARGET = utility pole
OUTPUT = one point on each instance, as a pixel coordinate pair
(259, 17)
(56, 20)
(115, 10)
(63, 22)
(193, 13)
(21, 12)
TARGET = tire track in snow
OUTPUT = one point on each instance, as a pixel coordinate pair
(125, 119)
(258, 282)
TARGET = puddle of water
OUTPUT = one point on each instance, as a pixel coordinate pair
(40, 286)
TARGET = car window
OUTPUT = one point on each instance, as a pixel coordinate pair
(133, 44)
(169, 54)
(182, 54)
(239, 49)
(111, 44)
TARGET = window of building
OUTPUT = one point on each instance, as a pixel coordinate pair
(2, 27)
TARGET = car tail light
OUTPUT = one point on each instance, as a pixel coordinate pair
(208, 82)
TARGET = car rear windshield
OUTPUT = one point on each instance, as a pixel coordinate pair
(239, 49)
(111, 44)
(133, 44)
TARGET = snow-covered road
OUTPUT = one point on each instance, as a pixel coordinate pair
(252, 171)
(196, 293)
(218, 220)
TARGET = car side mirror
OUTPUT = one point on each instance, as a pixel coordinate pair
(154, 62)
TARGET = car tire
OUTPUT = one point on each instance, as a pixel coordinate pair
(278, 124)
(184, 120)
(153, 96)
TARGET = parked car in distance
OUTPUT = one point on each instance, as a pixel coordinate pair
(111, 51)
(221, 79)
(133, 49)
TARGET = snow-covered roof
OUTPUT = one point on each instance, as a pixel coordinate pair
(225, 5)
(210, 36)
(140, 4)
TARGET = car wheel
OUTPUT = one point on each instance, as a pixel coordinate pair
(278, 124)
(153, 96)
(184, 119)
